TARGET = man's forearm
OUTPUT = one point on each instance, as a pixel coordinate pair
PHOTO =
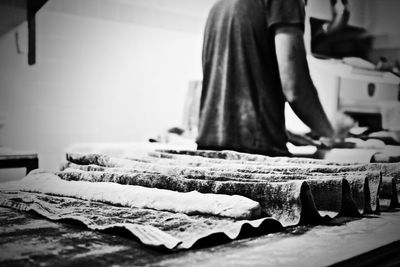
(340, 16)
(309, 109)
(296, 81)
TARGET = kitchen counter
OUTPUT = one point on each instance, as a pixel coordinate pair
(27, 239)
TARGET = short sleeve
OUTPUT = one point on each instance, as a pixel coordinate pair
(286, 12)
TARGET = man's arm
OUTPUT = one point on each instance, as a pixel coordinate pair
(296, 82)
(340, 16)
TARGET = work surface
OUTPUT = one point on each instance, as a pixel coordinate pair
(27, 239)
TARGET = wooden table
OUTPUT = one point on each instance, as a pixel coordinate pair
(10, 158)
(27, 239)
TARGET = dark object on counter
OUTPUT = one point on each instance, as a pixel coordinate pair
(348, 42)
(13, 12)
(312, 140)
(383, 158)
(15, 159)
(387, 137)
(383, 64)
(371, 120)
(176, 130)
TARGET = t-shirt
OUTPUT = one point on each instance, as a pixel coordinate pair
(242, 103)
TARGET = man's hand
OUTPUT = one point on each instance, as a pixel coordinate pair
(342, 124)
(301, 139)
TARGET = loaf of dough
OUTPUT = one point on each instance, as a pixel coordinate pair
(234, 206)
(334, 189)
(281, 200)
(239, 156)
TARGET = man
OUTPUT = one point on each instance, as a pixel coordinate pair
(253, 61)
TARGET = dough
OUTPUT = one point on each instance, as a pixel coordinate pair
(239, 156)
(272, 184)
(177, 168)
(158, 229)
(234, 206)
(280, 200)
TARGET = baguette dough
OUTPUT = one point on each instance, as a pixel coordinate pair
(281, 200)
(237, 207)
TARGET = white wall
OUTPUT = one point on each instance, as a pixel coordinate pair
(95, 80)
(383, 22)
(107, 70)
(383, 16)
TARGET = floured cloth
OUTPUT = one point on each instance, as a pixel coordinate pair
(236, 207)
(282, 190)
(282, 196)
(159, 229)
(264, 164)
(233, 190)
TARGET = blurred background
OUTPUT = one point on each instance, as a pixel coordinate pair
(119, 70)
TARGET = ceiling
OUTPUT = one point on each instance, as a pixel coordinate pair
(194, 8)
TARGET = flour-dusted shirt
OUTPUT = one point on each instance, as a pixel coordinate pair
(242, 103)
